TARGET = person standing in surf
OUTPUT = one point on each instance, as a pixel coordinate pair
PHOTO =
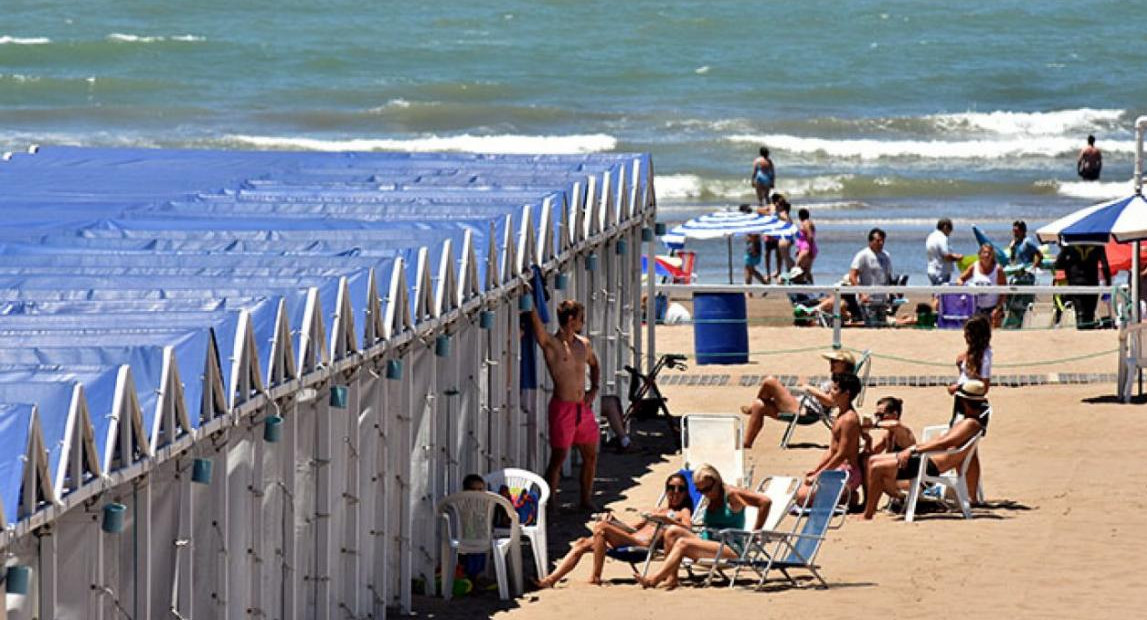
(1090, 161)
(763, 178)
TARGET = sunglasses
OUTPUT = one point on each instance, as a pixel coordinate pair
(707, 488)
(676, 488)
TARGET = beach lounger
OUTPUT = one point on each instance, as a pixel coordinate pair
(811, 411)
(797, 548)
(954, 479)
(718, 440)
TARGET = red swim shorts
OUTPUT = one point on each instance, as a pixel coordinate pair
(571, 424)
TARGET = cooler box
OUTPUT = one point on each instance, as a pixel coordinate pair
(720, 328)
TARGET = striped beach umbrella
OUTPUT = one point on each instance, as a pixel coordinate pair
(728, 224)
(1122, 220)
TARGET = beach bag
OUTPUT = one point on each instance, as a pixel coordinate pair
(525, 503)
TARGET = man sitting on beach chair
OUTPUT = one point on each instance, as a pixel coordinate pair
(844, 451)
(774, 399)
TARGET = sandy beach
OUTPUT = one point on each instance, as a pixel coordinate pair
(1061, 535)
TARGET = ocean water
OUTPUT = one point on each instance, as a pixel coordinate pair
(886, 113)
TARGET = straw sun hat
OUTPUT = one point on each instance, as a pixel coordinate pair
(972, 390)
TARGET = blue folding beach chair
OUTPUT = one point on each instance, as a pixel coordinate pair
(799, 547)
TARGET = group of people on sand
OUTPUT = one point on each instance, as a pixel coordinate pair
(873, 266)
(879, 454)
(884, 466)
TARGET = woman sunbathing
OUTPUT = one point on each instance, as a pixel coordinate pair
(610, 533)
(726, 510)
(884, 470)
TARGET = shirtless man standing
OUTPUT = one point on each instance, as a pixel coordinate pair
(1090, 161)
(844, 451)
(571, 420)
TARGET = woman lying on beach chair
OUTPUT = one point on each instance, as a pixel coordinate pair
(725, 510)
(610, 533)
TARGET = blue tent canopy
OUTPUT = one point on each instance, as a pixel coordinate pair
(113, 258)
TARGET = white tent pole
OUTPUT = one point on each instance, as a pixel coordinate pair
(1140, 126)
(650, 299)
(729, 241)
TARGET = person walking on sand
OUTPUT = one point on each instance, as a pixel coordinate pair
(763, 177)
(1090, 161)
(571, 419)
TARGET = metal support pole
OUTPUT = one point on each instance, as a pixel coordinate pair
(1140, 127)
(837, 320)
(650, 301)
(729, 242)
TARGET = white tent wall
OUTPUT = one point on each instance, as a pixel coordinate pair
(397, 403)
(273, 518)
(337, 517)
(306, 526)
(346, 513)
(470, 356)
(166, 487)
(420, 371)
(373, 488)
(241, 513)
(77, 535)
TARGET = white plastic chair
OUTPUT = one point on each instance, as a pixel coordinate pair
(955, 479)
(516, 480)
(719, 441)
(467, 520)
(1132, 358)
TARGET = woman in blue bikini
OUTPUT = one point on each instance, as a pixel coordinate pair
(726, 509)
(763, 177)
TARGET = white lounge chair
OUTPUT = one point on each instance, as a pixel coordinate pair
(718, 440)
(954, 479)
(1132, 358)
(517, 480)
(467, 521)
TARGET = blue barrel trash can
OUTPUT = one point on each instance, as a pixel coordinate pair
(720, 328)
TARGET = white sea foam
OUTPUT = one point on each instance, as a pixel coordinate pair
(134, 38)
(870, 149)
(1054, 123)
(691, 186)
(1093, 190)
(400, 104)
(8, 40)
(501, 144)
(678, 185)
